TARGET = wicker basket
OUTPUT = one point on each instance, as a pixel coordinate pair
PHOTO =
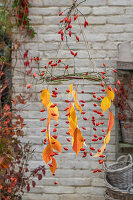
(107, 197)
(115, 193)
(119, 174)
(127, 133)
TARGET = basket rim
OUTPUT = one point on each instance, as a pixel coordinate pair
(115, 189)
(107, 196)
(120, 169)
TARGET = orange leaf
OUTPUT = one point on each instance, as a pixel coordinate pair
(76, 101)
(107, 138)
(110, 126)
(69, 108)
(53, 112)
(70, 89)
(71, 131)
(105, 104)
(47, 133)
(110, 94)
(48, 151)
(55, 144)
(54, 166)
(101, 152)
(78, 141)
(111, 121)
(45, 97)
(72, 118)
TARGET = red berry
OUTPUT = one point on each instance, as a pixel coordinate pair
(29, 86)
(109, 87)
(102, 84)
(65, 148)
(66, 19)
(118, 82)
(82, 149)
(92, 148)
(100, 161)
(70, 33)
(85, 118)
(77, 38)
(75, 17)
(115, 90)
(60, 13)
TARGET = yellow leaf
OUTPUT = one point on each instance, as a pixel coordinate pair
(110, 94)
(105, 104)
(72, 141)
(53, 111)
(54, 166)
(101, 152)
(48, 151)
(107, 138)
(77, 102)
(45, 97)
(72, 114)
(70, 89)
(78, 141)
(55, 144)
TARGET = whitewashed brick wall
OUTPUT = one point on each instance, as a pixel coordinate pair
(110, 22)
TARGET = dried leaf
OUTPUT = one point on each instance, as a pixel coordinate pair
(47, 153)
(111, 121)
(45, 97)
(105, 104)
(53, 112)
(55, 144)
(77, 102)
(72, 118)
(107, 138)
(54, 166)
(78, 141)
(101, 152)
(70, 89)
(110, 94)
(48, 133)
(110, 126)
(71, 131)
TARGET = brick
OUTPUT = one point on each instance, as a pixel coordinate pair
(129, 28)
(44, 11)
(96, 37)
(120, 19)
(56, 3)
(120, 2)
(95, 3)
(129, 11)
(36, 19)
(108, 11)
(109, 28)
(96, 20)
(36, 3)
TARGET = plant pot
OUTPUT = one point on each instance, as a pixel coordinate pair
(127, 133)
